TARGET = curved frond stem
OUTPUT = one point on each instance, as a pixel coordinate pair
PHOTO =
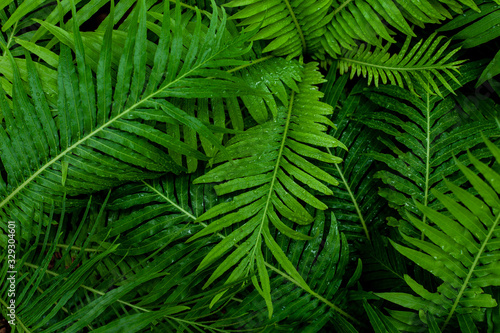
(18, 320)
(353, 199)
(163, 196)
(313, 293)
(11, 37)
(310, 291)
(253, 62)
(274, 177)
(389, 68)
(427, 160)
(471, 270)
(297, 25)
(276, 169)
(338, 9)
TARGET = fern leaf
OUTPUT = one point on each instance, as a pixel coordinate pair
(295, 27)
(476, 25)
(355, 200)
(109, 142)
(423, 154)
(422, 63)
(70, 282)
(323, 267)
(278, 21)
(460, 248)
(272, 76)
(271, 184)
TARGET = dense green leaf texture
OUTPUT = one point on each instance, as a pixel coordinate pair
(476, 28)
(151, 220)
(281, 21)
(431, 134)
(328, 27)
(355, 201)
(270, 163)
(142, 234)
(102, 136)
(86, 274)
(49, 294)
(173, 168)
(461, 247)
(271, 76)
(423, 63)
(322, 263)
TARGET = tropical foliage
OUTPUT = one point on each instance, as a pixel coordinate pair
(249, 165)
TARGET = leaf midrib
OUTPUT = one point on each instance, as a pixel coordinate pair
(405, 69)
(164, 197)
(339, 8)
(353, 199)
(427, 160)
(275, 172)
(297, 25)
(99, 129)
(471, 270)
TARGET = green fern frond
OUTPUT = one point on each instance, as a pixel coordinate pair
(476, 27)
(106, 134)
(279, 20)
(366, 21)
(322, 262)
(144, 227)
(151, 220)
(68, 283)
(269, 162)
(460, 247)
(274, 77)
(428, 140)
(423, 63)
(153, 213)
(296, 27)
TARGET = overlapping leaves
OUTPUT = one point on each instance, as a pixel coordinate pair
(421, 64)
(476, 29)
(269, 163)
(151, 221)
(322, 263)
(106, 133)
(329, 26)
(460, 247)
(476, 26)
(355, 201)
(426, 142)
(54, 280)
